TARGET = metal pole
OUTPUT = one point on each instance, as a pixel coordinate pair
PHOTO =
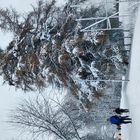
(90, 30)
(106, 18)
(106, 13)
(96, 18)
(102, 80)
(99, 21)
(109, 24)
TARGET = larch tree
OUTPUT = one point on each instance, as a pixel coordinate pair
(48, 48)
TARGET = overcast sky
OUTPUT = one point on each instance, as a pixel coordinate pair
(8, 96)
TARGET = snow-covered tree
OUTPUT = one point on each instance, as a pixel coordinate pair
(48, 48)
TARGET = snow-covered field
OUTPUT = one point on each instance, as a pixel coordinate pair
(131, 90)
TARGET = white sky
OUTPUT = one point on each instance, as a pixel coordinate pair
(20, 5)
(8, 96)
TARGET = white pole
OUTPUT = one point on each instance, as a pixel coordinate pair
(106, 13)
(90, 30)
(82, 30)
(102, 80)
(107, 18)
(99, 21)
(96, 18)
(109, 24)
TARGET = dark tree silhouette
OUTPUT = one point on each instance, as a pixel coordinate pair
(40, 117)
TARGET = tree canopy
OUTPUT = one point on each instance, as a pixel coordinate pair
(48, 48)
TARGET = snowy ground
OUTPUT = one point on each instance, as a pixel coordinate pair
(131, 90)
